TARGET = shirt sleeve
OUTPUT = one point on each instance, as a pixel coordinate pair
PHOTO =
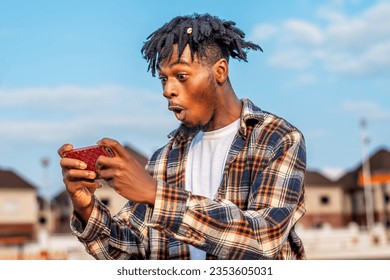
(123, 236)
(222, 229)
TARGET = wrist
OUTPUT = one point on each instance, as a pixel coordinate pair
(84, 212)
(151, 195)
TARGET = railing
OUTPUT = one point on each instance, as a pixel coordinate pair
(346, 243)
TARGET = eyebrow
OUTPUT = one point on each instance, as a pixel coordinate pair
(178, 62)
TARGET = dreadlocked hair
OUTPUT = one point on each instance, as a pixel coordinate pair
(207, 37)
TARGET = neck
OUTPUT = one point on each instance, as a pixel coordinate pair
(228, 109)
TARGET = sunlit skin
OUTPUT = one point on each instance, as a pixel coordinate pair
(200, 95)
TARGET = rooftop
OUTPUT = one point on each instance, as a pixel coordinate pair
(9, 179)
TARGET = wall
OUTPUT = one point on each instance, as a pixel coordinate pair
(18, 206)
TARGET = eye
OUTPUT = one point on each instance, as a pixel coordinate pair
(163, 79)
(182, 76)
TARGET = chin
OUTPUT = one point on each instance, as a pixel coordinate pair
(192, 125)
(203, 127)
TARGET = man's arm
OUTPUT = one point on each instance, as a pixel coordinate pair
(220, 228)
(118, 237)
(103, 236)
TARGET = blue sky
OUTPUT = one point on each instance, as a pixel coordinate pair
(72, 72)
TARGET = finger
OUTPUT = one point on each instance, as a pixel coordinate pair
(106, 174)
(77, 174)
(104, 162)
(90, 185)
(72, 163)
(114, 145)
(64, 148)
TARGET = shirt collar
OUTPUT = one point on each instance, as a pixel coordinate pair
(250, 112)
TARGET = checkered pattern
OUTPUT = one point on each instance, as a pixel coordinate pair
(253, 215)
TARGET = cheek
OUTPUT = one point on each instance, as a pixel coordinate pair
(208, 96)
(202, 97)
(205, 105)
(205, 90)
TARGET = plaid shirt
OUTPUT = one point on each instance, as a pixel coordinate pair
(259, 201)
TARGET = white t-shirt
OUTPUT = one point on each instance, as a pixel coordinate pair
(205, 164)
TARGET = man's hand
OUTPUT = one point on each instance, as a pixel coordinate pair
(79, 183)
(125, 175)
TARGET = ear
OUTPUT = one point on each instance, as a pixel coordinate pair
(221, 70)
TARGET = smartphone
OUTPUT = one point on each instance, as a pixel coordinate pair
(90, 154)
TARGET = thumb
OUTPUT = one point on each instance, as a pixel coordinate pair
(114, 145)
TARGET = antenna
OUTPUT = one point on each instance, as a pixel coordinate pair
(366, 175)
(47, 209)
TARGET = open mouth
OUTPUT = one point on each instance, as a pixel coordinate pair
(177, 110)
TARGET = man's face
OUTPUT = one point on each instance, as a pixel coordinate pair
(190, 89)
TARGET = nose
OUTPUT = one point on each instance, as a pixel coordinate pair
(170, 89)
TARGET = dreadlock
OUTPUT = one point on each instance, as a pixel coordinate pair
(205, 35)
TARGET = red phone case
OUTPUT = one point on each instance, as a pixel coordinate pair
(90, 154)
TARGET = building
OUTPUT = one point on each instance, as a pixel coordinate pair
(19, 209)
(374, 186)
(325, 202)
(339, 203)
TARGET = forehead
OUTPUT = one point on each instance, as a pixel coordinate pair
(185, 59)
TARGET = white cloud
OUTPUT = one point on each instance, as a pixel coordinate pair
(354, 45)
(301, 32)
(360, 32)
(67, 97)
(303, 80)
(315, 133)
(332, 172)
(264, 31)
(76, 127)
(378, 56)
(71, 112)
(368, 108)
(291, 59)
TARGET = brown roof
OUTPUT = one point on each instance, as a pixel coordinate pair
(379, 162)
(348, 180)
(62, 198)
(314, 178)
(9, 179)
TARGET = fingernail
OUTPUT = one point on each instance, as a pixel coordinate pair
(91, 175)
(83, 165)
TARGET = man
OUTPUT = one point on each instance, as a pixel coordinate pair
(229, 183)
